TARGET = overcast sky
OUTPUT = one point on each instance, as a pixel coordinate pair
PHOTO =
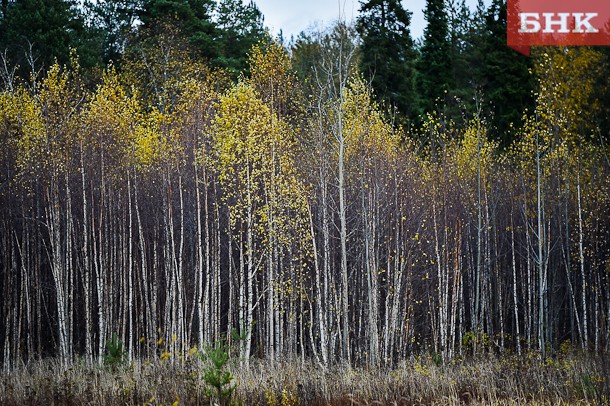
(294, 16)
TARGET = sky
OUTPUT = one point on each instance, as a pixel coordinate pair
(294, 16)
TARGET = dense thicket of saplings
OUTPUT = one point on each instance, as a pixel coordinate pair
(170, 206)
(358, 199)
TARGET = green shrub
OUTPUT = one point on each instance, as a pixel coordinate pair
(114, 356)
(216, 377)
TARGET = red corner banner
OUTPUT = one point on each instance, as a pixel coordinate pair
(557, 22)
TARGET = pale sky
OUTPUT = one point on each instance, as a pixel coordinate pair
(294, 16)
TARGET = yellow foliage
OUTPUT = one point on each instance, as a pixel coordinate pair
(48, 124)
(474, 152)
(370, 136)
(116, 127)
(254, 157)
(21, 121)
(566, 81)
(159, 65)
(273, 77)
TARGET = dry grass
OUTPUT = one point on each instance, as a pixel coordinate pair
(572, 380)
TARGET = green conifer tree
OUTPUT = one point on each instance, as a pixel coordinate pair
(113, 20)
(434, 64)
(506, 81)
(193, 18)
(388, 53)
(36, 33)
(240, 27)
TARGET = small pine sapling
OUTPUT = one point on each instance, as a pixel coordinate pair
(114, 356)
(216, 377)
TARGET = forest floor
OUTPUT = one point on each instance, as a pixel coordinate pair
(567, 379)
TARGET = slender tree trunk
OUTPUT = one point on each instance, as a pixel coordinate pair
(86, 264)
(217, 273)
(477, 295)
(321, 324)
(58, 268)
(130, 273)
(170, 266)
(271, 288)
(150, 306)
(345, 343)
(21, 316)
(440, 284)
(457, 278)
(199, 289)
(207, 292)
(371, 279)
(181, 336)
(242, 298)
(597, 306)
(99, 278)
(540, 260)
(327, 278)
(515, 300)
(581, 257)
(6, 348)
(250, 273)
(527, 281)
(400, 266)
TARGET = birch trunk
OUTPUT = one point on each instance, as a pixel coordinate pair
(199, 290)
(581, 257)
(372, 281)
(86, 264)
(515, 300)
(345, 343)
(540, 259)
(319, 297)
(130, 304)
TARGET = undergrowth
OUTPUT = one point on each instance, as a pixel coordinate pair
(509, 380)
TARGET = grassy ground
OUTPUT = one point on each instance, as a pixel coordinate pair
(568, 379)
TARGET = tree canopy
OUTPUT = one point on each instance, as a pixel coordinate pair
(388, 53)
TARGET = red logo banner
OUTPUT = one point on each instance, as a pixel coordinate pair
(557, 22)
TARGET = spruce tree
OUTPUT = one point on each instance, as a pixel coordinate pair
(40, 32)
(434, 64)
(192, 17)
(603, 94)
(465, 31)
(114, 20)
(3, 13)
(3, 8)
(506, 81)
(388, 53)
(240, 26)
(220, 31)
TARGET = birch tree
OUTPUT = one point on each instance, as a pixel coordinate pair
(46, 145)
(252, 149)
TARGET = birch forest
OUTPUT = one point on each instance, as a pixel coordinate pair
(287, 209)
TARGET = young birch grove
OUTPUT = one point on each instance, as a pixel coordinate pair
(292, 218)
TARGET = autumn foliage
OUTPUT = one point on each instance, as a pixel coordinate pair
(169, 206)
